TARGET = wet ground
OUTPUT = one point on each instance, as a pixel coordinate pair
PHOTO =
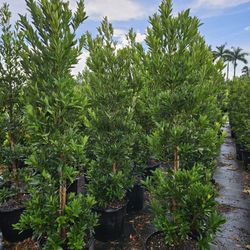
(234, 186)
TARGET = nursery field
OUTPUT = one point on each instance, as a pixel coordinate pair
(146, 148)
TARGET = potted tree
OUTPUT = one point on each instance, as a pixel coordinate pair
(239, 113)
(186, 113)
(54, 117)
(133, 55)
(192, 220)
(111, 130)
(12, 190)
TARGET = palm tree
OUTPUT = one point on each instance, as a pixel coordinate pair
(245, 71)
(224, 54)
(220, 52)
(237, 54)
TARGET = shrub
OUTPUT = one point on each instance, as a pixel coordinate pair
(183, 206)
(239, 110)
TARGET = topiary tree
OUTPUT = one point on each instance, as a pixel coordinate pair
(11, 106)
(110, 122)
(54, 118)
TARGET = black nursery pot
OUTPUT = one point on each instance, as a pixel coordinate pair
(233, 135)
(156, 241)
(135, 198)
(20, 163)
(151, 168)
(111, 223)
(246, 157)
(7, 219)
(73, 187)
(148, 245)
(239, 148)
(78, 186)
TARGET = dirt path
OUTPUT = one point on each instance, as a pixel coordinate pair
(234, 186)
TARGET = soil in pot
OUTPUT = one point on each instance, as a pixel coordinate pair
(156, 242)
(135, 198)
(28, 244)
(111, 222)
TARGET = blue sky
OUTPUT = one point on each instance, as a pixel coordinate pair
(223, 20)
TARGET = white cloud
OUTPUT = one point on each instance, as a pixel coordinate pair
(222, 4)
(120, 35)
(81, 63)
(120, 32)
(247, 28)
(140, 38)
(116, 10)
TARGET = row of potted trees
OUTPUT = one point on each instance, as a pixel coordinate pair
(130, 110)
(239, 117)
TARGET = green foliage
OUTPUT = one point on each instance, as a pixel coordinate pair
(239, 110)
(107, 188)
(134, 56)
(7, 193)
(12, 80)
(183, 205)
(50, 41)
(54, 126)
(9, 190)
(185, 84)
(78, 219)
(110, 122)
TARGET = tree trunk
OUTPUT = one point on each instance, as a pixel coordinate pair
(227, 70)
(176, 160)
(176, 168)
(235, 69)
(13, 163)
(114, 168)
(62, 195)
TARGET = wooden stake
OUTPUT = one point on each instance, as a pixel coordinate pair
(62, 196)
(114, 168)
(176, 160)
(176, 168)
(13, 164)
